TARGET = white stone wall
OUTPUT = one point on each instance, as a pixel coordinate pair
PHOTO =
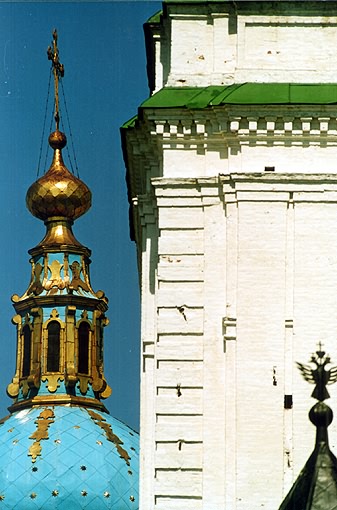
(238, 276)
(246, 42)
(241, 263)
(238, 271)
(235, 213)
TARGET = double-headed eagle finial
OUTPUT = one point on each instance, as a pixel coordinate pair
(319, 375)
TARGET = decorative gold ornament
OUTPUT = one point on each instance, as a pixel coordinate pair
(13, 389)
(106, 393)
(43, 422)
(110, 435)
(84, 381)
(35, 287)
(54, 314)
(76, 282)
(52, 381)
(34, 451)
(55, 281)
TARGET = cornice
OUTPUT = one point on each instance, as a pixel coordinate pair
(59, 300)
(262, 186)
(58, 400)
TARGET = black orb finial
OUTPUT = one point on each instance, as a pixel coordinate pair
(320, 414)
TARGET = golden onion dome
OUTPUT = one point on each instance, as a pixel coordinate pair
(58, 192)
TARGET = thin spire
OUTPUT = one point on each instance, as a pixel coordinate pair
(58, 71)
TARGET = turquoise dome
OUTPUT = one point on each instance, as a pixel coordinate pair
(67, 457)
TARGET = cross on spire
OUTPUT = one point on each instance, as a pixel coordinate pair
(58, 70)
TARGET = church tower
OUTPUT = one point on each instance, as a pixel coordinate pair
(59, 447)
(232, 181)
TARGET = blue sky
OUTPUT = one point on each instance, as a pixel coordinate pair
(102, 48)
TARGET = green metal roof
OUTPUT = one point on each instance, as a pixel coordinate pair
(130, 123)
(240, 94)
(245, 93)
(155, 18)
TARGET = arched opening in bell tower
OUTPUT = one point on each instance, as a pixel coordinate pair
(27, 338)
(83, 348)
(53, 350)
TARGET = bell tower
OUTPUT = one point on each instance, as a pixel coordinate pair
(59, 447)
(60, 319)
(231, 171)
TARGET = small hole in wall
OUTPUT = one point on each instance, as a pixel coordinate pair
(269, 169)
(288, 401)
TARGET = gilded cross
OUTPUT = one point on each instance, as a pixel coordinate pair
(58, 70)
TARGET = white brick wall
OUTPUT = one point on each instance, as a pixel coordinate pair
(238, 264)
(246, 42)
(263, 249)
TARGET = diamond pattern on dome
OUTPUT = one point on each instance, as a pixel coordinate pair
(57, 478)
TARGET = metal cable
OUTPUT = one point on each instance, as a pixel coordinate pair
(70, 135)
(44, 126)
(47, 146)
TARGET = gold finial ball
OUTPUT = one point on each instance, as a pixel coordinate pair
(57, 140)
(58, 192)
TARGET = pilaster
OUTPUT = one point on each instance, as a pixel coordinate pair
(215, 379)
(147, 211)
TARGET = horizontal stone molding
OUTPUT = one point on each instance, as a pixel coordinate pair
(180, 319)
(179, 427)
(189, 347)
(181, 268)
(180, 295)
(179, 400)
(181, 242)
(232, 188)
(191, 217)
(178, 454)
(182, 372)
(186, 482)
(166, 502)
